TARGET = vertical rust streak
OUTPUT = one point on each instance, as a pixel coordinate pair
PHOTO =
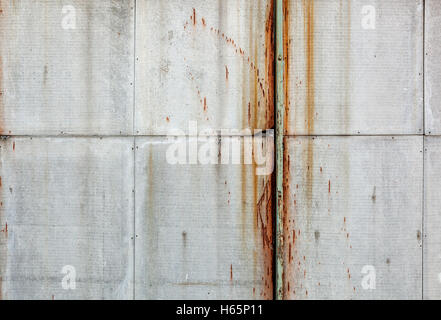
(286, 160)
(264, 194)
(287, 212)
(269, 65)
(231, 272)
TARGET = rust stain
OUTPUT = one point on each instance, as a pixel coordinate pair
(329, 186)
(265, 86)
(259, 101)
(231, 272)
(264, 195)
(5, 230)
(296, 267)
(249, 113)
(13, 146)
(287, 212)
(264, 212)
(269, 65)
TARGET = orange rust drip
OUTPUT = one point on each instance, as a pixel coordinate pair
(287, 256)
(5, 230)
(269, 65)
(231, 272)
(265, 205)
(265, 208)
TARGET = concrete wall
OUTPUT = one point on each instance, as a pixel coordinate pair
(361, 174)
(90, 89)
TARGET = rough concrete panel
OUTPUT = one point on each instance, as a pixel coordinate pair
(433, 67)
(202, 231)
(353, 203)
(205, 61)
(66, 202)
(432, 219)
(58, 80)
(344, 77)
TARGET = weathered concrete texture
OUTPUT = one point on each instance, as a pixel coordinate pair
(432, 71)
(66, 81)
(353, 202)
(66, 202)
(206, 61)
(432, 219)
(345, 78)
(202, 231)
